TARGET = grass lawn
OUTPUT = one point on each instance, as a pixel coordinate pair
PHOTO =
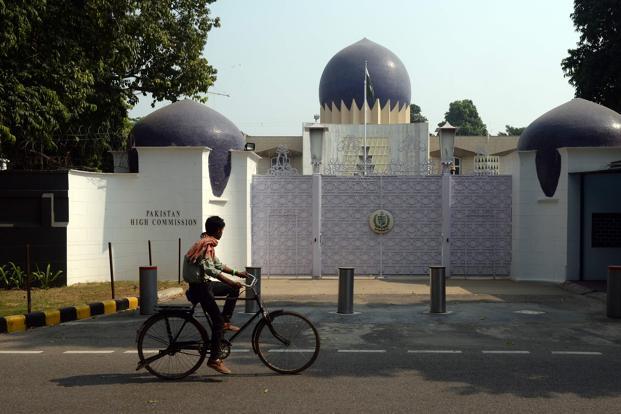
(14, 302)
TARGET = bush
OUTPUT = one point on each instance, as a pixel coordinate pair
(4, 277)
(16, 277)
(46, 278)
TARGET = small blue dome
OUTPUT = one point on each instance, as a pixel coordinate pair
(190, 124)
(577, 123)
(343, 76)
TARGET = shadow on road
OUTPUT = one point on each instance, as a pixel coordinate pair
(146, 378)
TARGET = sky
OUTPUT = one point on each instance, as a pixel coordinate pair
(504, 55)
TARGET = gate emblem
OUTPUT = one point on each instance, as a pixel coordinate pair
(381, 221)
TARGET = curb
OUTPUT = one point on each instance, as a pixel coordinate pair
(583, 291)
(19, 323)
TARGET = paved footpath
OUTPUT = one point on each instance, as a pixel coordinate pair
(505, 346)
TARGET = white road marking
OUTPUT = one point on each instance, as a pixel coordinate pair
(21, 352)
(433, 351)
(88, 352)
(243, 350)
(575, 353)
(529, 312)
(506, 352)
(95, 321)
(144, 351)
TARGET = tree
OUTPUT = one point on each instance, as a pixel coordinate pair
(464, 115)
(71, 69)
(593, 68)
(415, 115)
(514, 131)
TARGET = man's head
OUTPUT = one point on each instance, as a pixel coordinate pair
(214, 226)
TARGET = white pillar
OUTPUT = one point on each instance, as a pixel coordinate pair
(316, 226)
(239, 206)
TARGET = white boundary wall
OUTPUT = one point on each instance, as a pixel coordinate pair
(102, 207)
(546, 233)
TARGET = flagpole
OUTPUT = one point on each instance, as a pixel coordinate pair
(364, 150)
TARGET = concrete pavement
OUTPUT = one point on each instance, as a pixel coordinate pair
(415, 289)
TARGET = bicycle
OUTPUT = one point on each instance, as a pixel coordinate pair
(285, 341)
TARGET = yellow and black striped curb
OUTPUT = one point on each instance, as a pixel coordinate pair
(19, 323)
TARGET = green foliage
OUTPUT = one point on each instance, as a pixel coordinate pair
(4, 277)
(593, 68)
(415, 115)
(46, 278)
(13, 277)
(464, 115)
(71, 69)
(16, 277)
(514, 131)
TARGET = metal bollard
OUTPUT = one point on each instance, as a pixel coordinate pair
(437, 284)
(346, 290)
(251, 304)
(148, 289)
(613, 293)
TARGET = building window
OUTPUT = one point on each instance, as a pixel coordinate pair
(456, 166)
(486, 165)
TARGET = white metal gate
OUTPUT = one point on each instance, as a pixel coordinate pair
(282, 224)
(480, 224)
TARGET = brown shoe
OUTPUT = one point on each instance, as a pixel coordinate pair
(218, 365)
(229, 327)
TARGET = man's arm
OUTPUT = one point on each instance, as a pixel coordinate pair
(233, 272)
(215, 269)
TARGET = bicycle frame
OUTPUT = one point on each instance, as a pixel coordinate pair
(262, 312)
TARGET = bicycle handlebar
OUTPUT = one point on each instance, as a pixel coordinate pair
(254, 281)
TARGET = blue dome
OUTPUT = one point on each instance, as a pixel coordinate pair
(577, 123)
(343, 76)
(190, 124)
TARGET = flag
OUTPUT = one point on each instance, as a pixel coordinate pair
(369, 91)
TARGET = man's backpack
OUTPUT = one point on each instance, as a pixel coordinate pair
(192, 272)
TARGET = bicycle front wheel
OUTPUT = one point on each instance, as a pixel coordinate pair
(172, 346)
(288, 344)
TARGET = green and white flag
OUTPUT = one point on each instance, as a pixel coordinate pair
(370, 92)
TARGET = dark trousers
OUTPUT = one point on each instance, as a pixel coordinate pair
(205, 293)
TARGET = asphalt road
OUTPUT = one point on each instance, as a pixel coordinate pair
(555, 354)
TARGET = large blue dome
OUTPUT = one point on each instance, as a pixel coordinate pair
(190, 124)
(343, 76)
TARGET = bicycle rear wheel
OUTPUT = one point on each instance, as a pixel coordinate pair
(172, 346)
(289, 345)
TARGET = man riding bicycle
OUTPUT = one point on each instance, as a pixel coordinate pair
(214, 284)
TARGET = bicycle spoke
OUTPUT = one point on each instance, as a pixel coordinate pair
(158, 339)
(289, 344)
(182, 354)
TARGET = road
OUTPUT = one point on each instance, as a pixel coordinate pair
(553, 354)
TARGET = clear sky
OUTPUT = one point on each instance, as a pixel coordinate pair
(504, 55)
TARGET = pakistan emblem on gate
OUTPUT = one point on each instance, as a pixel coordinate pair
(381, 221)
